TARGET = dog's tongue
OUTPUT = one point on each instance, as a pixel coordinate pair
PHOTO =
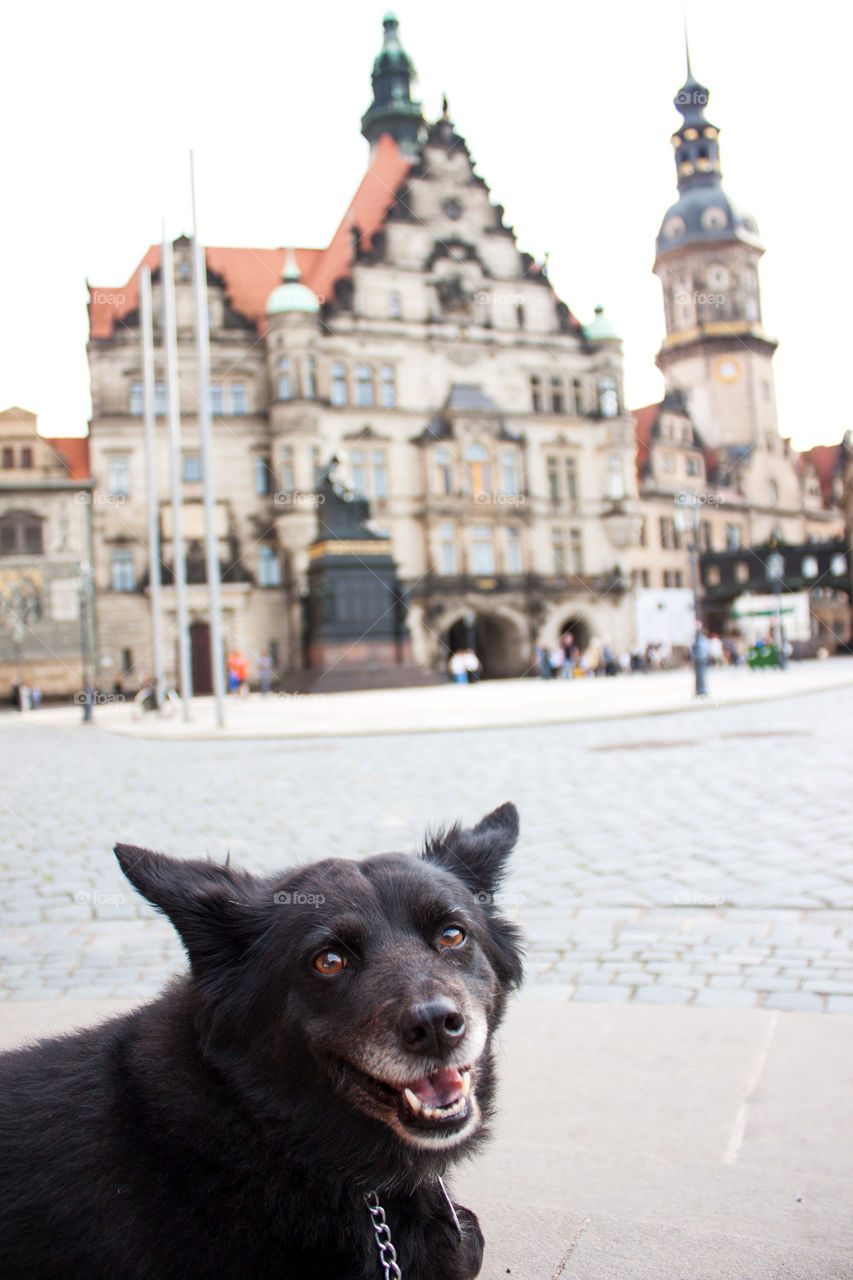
(438, 1090)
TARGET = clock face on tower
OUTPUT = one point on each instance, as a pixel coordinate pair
(727, 369)
(673, 227)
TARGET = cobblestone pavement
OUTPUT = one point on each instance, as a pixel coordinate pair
(701, 858)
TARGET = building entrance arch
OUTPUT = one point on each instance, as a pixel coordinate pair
(579, 628)
(499, 642)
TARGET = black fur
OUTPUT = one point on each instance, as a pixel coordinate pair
(225, 1130)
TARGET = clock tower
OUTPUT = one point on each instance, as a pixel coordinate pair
(707, 253)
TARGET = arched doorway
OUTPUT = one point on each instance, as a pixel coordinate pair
(498, 642)
(579, 628)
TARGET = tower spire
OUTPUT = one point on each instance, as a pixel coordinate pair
(392, 109)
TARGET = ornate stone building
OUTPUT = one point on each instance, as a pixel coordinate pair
(715, 437)
(484, 424)
(45, 549)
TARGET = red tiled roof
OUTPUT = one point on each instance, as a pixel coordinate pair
(644, 422)
(823, 458)
(367, 211)
(250, 275)
(74, 452)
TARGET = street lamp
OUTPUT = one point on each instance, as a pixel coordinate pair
(85, 647)
(686, 520)
(775, 568)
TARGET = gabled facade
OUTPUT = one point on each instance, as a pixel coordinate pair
(432, 358)
(45, 549)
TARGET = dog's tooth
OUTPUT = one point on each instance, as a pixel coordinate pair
(466, 1083)
(413, 1100)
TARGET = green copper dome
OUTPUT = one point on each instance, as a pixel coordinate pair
(600, 330)
(291, 294)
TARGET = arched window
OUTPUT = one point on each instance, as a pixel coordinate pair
(477, 469)
(284, 381)
(363, 385)
(21, 534)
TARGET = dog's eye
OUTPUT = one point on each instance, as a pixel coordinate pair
(452, 937)
(329, 962)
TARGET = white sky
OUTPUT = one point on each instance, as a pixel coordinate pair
(567, 108)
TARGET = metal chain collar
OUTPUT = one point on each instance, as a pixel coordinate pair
(387, 1252)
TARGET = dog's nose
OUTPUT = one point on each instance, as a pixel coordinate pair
(432, 1027)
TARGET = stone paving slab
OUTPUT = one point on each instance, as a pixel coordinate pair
(647, 1143)
(675, 873)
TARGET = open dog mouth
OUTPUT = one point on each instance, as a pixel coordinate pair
(439, 1101)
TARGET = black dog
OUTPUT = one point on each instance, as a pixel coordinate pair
(328, 1054)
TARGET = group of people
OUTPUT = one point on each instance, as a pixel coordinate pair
(566, 660)
(24, 696)
(464, 667)
(237, 667)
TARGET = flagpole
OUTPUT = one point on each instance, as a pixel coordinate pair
(148, 401)
(202, 339)
(167, 273)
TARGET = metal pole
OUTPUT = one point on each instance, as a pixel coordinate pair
(148, 393)
(167, 273)
(783, 661)
(699, 660)
(202, 339)
(85, 650)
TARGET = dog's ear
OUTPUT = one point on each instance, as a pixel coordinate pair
(477, 855)
(210, 905)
